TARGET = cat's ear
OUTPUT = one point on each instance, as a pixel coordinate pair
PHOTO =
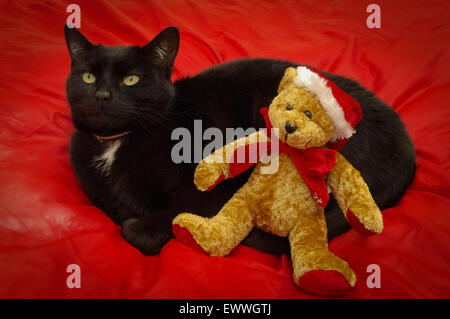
(163, 48)
(287, 79)
(79, 47)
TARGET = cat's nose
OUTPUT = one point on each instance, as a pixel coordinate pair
(102, 95)
(290, 128)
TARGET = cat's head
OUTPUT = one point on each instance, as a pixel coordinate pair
(120, 88)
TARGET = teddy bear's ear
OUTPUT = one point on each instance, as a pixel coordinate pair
(287, 79)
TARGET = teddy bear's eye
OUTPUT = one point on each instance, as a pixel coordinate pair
(308, 114)
(289, 107)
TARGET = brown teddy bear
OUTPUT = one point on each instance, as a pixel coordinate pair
(309, 119)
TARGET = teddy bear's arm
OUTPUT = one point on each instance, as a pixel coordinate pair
(215, 167)
(354, 197)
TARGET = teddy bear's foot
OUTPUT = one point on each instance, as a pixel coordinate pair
(324, 283)
(185, 228)
(215, 236)
(182, 234)
(326, 275)
(218, 235)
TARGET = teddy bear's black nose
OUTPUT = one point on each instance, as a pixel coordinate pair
(290, 128)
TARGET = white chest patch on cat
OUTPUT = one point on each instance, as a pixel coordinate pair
(104, 162)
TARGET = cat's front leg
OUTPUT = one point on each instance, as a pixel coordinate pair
(149, 233)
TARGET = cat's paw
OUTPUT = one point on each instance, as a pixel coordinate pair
(141, 234)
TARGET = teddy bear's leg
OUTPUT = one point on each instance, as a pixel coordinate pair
(216, 236)
(316, 269)
(354, 198)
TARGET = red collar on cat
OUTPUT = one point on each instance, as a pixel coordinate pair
(111, 137)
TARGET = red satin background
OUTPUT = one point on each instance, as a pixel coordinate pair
(47, 222)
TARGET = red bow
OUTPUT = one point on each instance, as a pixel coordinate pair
(312, 164)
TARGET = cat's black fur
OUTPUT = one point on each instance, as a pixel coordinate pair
(144, 189)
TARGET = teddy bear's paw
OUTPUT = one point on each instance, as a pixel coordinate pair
(208, 175)
(324, 274)
(367, 222)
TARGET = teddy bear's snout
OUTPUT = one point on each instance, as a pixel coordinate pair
(290, 128)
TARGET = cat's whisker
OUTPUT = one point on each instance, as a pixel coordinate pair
(139, 115)
(142, 124)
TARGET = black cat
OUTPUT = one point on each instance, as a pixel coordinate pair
(125, 108)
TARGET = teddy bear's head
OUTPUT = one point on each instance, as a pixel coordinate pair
(298, 115)
(307, 113)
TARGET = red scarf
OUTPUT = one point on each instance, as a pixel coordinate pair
(312, 164)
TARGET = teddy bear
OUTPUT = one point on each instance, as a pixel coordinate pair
(307, 123)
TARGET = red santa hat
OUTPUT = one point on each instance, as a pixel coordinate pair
(343, 110)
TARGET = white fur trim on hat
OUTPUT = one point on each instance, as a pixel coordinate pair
(318, 85)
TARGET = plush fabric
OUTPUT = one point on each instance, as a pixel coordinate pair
(286, 195)
(48, 223)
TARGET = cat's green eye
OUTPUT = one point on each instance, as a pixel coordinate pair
(88, 77)
(130, 80)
